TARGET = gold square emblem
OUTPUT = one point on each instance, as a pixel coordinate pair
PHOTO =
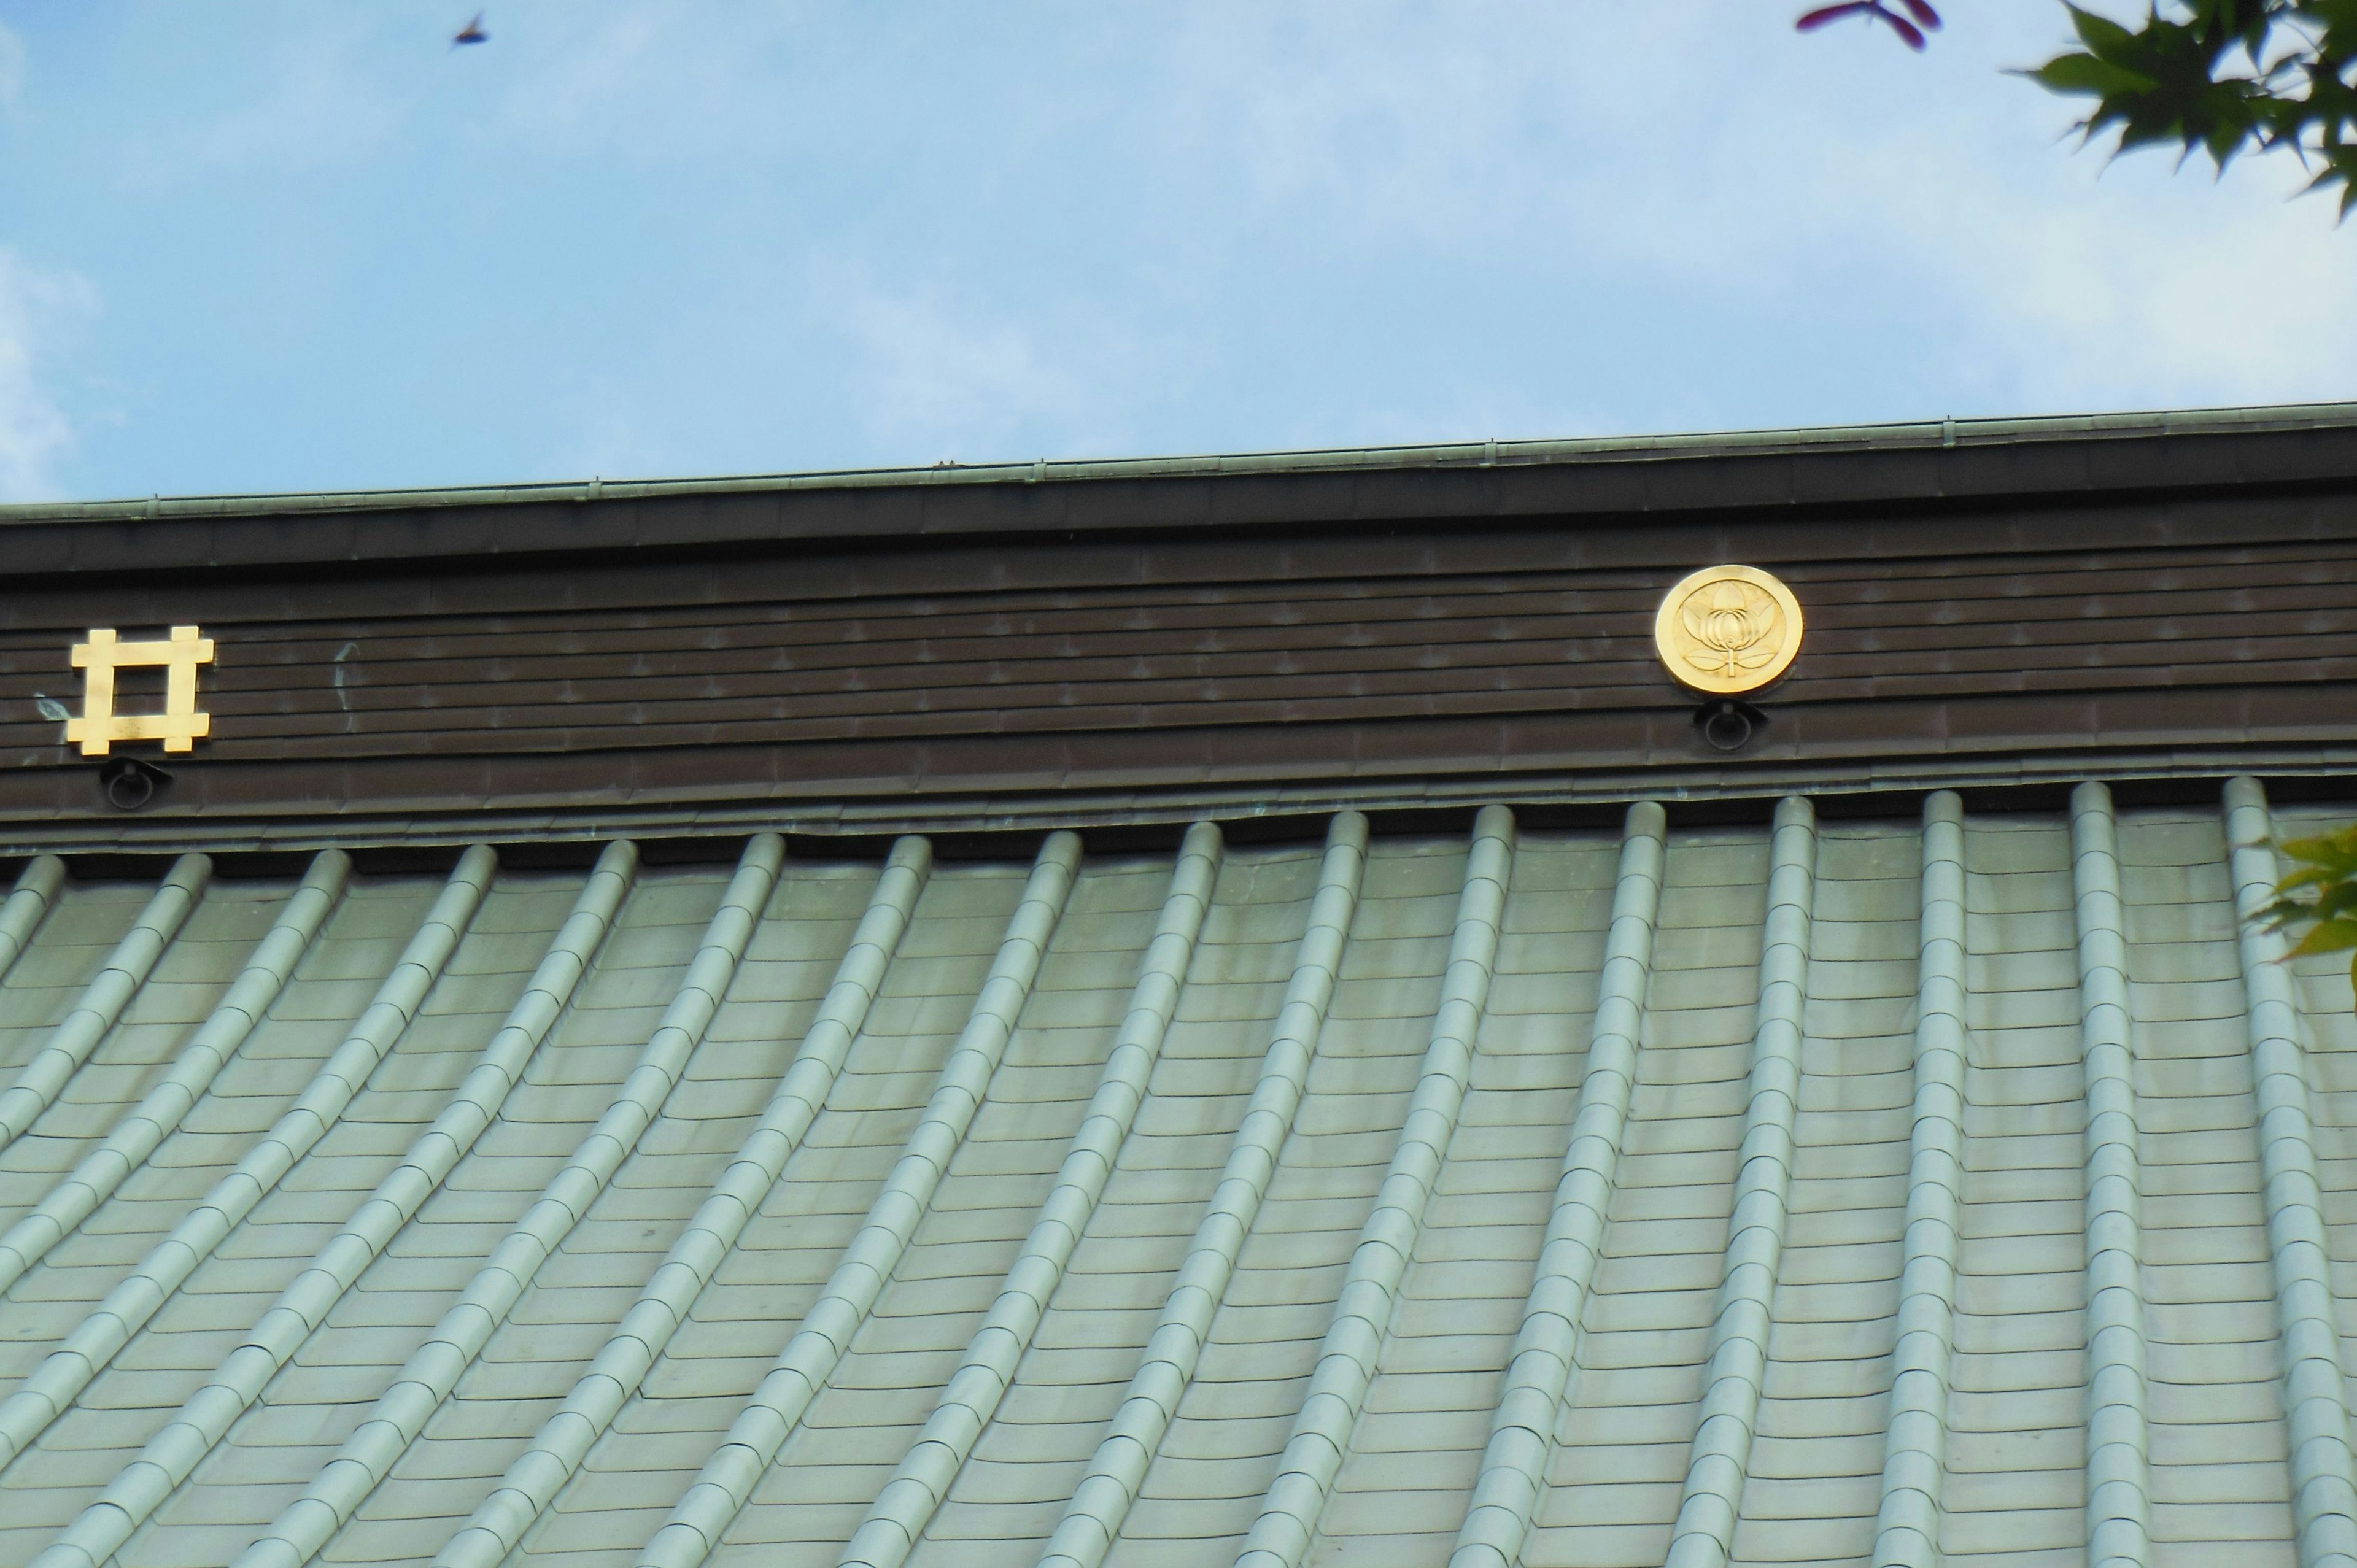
(178, 726)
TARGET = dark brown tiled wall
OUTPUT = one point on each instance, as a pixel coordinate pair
(833, 663)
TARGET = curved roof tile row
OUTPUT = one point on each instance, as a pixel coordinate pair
(1973, 1189)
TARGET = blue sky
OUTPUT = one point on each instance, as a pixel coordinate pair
(309, 245)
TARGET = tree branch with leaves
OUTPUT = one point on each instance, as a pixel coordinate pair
(2319, 901)
(2223, 77)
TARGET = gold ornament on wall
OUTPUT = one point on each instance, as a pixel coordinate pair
(1727, 629)
(181, 724)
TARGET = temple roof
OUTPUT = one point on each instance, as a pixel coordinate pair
(1191, 1012)
(1171, 1202)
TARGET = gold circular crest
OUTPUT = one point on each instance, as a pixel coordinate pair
(1728, 628)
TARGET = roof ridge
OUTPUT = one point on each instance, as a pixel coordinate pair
(1895, 435)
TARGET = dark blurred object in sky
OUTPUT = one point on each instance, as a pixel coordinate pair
(472, 33)
(1910, 31)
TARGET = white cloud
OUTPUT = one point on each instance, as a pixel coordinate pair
(12, 68)
(688, 235)
(323, 102)
(2120, 298)
(931, 372)
(2053, 276)
(1926, 218)
(643, 85)
(36, 304)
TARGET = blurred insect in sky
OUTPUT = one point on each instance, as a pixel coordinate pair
(472, 33)
(1912, 32)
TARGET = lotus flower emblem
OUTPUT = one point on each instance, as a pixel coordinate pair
(1725, 629)
(1735, 626)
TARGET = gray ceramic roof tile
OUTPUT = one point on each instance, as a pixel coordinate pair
(2015, 1451)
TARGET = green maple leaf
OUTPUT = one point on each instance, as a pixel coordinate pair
(2318, 900)
(2225, 77)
